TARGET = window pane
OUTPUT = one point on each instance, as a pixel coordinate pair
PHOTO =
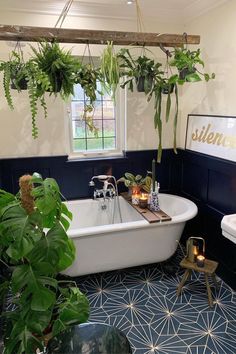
(98, 110)
(108, 109)
(77, 109)
(78, 129)
(79, 144)
(109, 143)
(109, 128)
(78, 93)
(98, 132)
(97, 124)
(94, 144)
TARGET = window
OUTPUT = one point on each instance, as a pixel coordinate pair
(103, 133)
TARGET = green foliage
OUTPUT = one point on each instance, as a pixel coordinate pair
(110, 70)
(136, 68)
(36, 245)
(186, 62)
(59, 66)
(131, 180)
(87, 77)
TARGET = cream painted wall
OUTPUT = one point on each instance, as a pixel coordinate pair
(15, 134)
(218, 43)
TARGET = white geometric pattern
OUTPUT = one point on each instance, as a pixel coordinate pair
(142, 303)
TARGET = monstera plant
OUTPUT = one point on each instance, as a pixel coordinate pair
(34, 248)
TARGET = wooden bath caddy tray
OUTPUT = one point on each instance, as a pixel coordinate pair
(150, 216)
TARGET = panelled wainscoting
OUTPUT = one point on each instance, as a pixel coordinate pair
(208, 181)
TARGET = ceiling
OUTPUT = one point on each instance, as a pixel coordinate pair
(179, 11)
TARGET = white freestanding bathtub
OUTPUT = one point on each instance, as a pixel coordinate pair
(102, 246)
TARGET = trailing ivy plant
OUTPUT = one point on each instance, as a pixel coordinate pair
(88, 77)
(34, 246)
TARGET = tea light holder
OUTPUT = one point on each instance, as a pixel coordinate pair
(200, 260)
(143, 201)
(135, 199)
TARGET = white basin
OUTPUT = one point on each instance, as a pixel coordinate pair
(228, 225)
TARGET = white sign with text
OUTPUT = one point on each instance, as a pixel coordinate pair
(212, 135)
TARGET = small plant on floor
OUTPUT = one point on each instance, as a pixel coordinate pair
(34, 246)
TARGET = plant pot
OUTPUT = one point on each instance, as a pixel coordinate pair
(56, 85)
(141, 81)
(169, 88)
(185, 72)
(22, 84)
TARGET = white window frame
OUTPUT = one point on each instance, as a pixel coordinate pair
(120, 114)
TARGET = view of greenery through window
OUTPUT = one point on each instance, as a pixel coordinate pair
(103, 119)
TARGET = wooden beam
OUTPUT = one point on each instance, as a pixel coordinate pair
(62, 35)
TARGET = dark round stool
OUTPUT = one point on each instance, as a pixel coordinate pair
(90, 338)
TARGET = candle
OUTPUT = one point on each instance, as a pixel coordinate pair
(200, 261)
(153, 174)
(143, 200)
(135, 199)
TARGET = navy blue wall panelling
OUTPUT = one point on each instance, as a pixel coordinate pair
(208, 181)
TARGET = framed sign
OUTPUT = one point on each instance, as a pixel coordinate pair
(212, 135)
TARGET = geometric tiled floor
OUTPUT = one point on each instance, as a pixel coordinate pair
(142, 302)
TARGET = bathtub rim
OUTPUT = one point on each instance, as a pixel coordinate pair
(187, 215)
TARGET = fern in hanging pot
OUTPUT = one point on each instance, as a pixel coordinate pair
(59, 65)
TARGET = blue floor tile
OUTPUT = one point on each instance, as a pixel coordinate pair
(142, 302)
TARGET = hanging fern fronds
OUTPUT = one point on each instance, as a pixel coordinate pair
(33, 106)
(44, 106)
(176, 117)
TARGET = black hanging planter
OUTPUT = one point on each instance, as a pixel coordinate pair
(22, 84)
(168, 88)
(56, 85)
(143, 81)
(185, 72)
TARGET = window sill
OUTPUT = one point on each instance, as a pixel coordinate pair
(81, 158)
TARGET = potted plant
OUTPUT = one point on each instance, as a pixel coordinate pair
(21, 75)
(14, 76)
(34, 247)
(110, 70)
(136, 183)
(59, 65)
(88, 77)
(186, 61)
(164, 86)
(142, 70)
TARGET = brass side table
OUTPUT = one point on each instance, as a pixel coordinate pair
(208, 269)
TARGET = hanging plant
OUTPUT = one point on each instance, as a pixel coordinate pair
(59, 65)
(141, 70)
(14, 75)
(110, 70)
(187, 61)
(21, 75)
